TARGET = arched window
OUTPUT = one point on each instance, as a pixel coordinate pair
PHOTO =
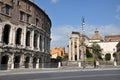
(40, 43)
(18, 36)
(28, 38)
(35, 40)
(6, 34)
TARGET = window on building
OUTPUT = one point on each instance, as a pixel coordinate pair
(29, 7)
(40, 43)
(22, 15)
(7, 10)
(28, 18)
(28, 38)
(6, 34)
(18, 36)
(36, 22)
(18, 3)
(35, 40)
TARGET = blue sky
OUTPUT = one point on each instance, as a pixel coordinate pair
(66, 17)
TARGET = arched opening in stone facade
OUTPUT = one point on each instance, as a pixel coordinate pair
(35, 40)
(6, 34)
(4, 62)
(34, 62)
(28, 38)
(16, 61)
(40, 43)
(27, 60)
(18, 36)
(40, 62)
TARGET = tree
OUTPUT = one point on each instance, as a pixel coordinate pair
(96, 51)
(107, 57)
(65, 58)
(59, 59)
(88, 54)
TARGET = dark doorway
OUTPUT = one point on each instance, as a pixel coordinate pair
(35, 40)
(28, 38)
(18, 36)
(6, 33)
(16, 61)
(4, 62)
(34, 62)
(27, 60)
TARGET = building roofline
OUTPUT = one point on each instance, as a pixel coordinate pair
(35, 5)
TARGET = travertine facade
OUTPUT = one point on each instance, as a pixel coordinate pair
(24, 35)
(77, 49)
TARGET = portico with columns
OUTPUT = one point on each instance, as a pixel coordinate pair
(76, 49)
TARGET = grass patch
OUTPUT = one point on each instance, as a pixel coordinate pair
(90, 59)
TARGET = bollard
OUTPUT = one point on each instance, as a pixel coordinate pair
(79, 64)
(59, 64)
(115, 63)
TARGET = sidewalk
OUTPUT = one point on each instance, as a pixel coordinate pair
(51, 70)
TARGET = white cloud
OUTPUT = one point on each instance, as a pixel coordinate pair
(60, 35)
(54, 1)
(117, 16)
(118, 8)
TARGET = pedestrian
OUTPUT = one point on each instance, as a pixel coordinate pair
(94, 64)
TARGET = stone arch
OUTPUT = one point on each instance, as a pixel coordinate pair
(17, 61)
(35, 40)
(40, 62)
(6, 33)
(18, 36)
(27, 61)
(40, 45)
(28, 38)
(34, 62)
(4, 62)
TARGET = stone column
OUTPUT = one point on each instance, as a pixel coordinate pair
(1, 30)
(43, 46)
(22, 59)
(23, 37)
(0, 58)
(13, 36)
(12, 61)
(31, 62)
(37, 64)
(73, 49)
(42, 61)
(32, 40)
(78, 54)
(69, 49)
(10, 36)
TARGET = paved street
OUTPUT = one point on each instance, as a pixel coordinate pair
(62, 74)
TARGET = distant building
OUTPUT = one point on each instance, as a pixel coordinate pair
(118, 51)
(76, 47)
(108, 46)
(77, 50)
(112, 38)
(57, 52)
